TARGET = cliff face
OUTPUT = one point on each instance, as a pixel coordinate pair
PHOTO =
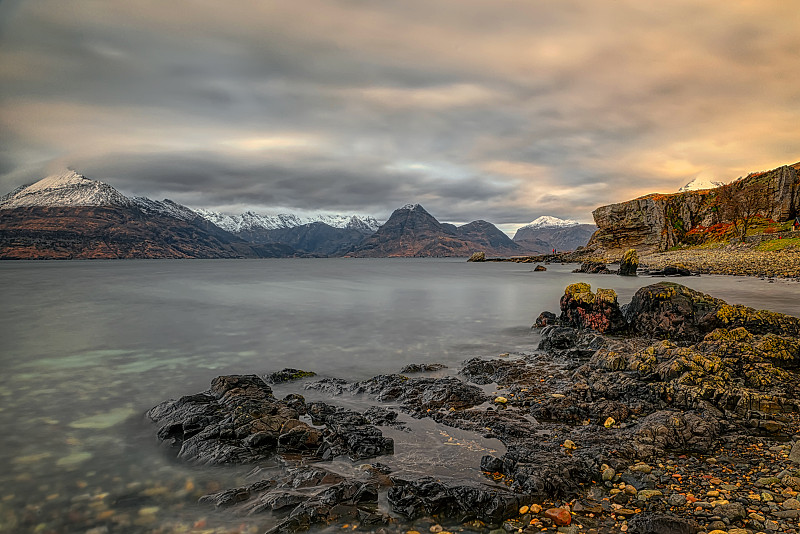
(657, 222)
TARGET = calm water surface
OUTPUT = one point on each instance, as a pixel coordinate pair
(87, 347)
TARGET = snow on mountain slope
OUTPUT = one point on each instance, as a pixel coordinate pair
(547, 221)
(249, 221)
(65, 189)
(700, 183)
(164, 207)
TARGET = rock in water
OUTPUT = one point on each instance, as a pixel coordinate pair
(582, 308)
(539, 268)
(629, 263)
(593, 267)
(478, 256)
(238, 420)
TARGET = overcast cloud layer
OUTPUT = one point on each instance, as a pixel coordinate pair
(498, 110)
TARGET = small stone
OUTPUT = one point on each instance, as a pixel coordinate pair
(645, 495)
(630, 490)
(535, 509)
(559, 516)
(569, 445)
(756, 516)
(676, 499)
(436, 529)
(791, 504)
(608, 474)
(609, 422)
(524, 510)
(500, 400)
(642, 468)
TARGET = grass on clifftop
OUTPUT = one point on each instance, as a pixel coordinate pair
(778, 244)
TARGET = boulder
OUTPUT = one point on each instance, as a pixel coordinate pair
(671, 311)
(478, 256)
(546, 318)
(582, 308)
(539, 268)
(592, 267)
(629, 263)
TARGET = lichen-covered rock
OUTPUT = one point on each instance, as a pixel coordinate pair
(478, 256)
(582, 308)
(667, 310)
(629, 263)
(671, 311)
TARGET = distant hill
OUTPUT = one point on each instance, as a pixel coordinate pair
(546, 233)
(67, 215)
(413, 232)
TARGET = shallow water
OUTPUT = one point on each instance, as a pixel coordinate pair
(88, 347)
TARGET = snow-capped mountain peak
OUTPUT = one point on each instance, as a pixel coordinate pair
(66, 188)
(700, 182)
(548, 221)
(249, 221)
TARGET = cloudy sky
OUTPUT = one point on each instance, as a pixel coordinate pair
(490, 109)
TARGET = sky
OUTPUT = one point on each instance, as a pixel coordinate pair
(476, 109)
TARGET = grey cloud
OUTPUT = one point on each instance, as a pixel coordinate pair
(619, 100)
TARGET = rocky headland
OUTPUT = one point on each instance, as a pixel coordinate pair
(675, 413)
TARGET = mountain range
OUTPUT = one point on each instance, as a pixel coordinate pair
(545, 234)
(67, 215)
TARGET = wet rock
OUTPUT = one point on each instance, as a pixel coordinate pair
(592, 267)
(416, 497)
(546, 318)
(287, 375)
(539, 268)
(629, 263)
(478, 256)
(422, 368)
(422, 394)
(240, 421)
(581, 308)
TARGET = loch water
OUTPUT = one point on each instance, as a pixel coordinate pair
(87, 347)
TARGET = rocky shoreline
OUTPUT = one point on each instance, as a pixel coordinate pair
(741, 260)
(677, 413)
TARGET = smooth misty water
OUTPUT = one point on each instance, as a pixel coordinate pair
(88, 347)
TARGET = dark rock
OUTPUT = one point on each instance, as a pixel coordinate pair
(239, 421)
(592, 267)
(629, 263)
(582, 308)
(672, 311)
(422, 368)
(287, 375)
(546, 318)
(422, 394)
(651, 523)
(458, 500)
(539, 268)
